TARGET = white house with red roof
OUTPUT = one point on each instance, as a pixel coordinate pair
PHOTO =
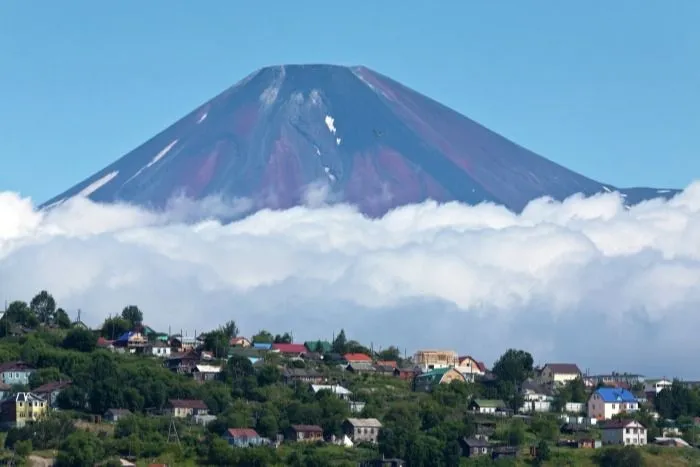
(357, 358)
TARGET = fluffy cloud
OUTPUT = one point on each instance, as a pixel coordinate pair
(586, 280)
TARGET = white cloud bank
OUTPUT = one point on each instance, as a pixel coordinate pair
(585, 280)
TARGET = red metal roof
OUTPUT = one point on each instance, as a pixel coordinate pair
(307, 428)
(290, 348)
(188, 404)
(242, 433)
(51, 387)
(390, 363)
(356, 357)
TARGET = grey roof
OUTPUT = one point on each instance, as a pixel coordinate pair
(362, 366)
(365, 422)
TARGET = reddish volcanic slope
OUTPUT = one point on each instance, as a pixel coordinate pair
(370, 140)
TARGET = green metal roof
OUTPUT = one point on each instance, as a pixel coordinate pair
(490, 403)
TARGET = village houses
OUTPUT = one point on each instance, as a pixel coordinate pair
(559, 373)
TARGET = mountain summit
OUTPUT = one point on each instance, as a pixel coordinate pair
(361, 137)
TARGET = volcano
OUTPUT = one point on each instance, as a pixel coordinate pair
(284, 134)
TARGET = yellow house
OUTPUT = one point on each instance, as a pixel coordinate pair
(559, 373)
(426, 381)
(470, 367)
(22, 408)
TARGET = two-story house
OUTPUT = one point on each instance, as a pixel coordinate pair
(536, 397)
(362, 429)
(305, 433)
(624, 432)
(16, 373)
(183, 408)
(22, 408)
(470, 368)
(428, 360)
(559, 373)
(605, 403)
(50, 391)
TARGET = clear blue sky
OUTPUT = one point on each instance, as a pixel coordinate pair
(610, 89)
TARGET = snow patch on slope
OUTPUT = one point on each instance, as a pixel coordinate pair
(330, 123)
(203, 117)
(155, 159)
(96, 185)
(163, 152)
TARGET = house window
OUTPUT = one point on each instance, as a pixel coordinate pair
(613, 406)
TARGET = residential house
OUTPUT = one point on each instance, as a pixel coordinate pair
(426, 381)
(387, 363)
(305, 433)
(240, 342)
(183, 408)
(605, 403)
(159, 349)
(290, 350)
(241, 437)
(362, 430)
(474, 447)
(264, 346)
(50, 391)
(470, 368)
(559, 373)
(16, 373)
(322, 347)
(488, 406)
(614, 379)
(203, 372)
(292, 376)
(536, 397)
(361, 367)
(106, 344)
(132, 342)
(655, 386)
(428, 360)
(384, 462)
(384, 370)
(22, 408)
(336, 389)
(625, 432)
(182, 363)
(182, 343)
(406, 374)
(504, 451)
(114, 415)
(357, 358)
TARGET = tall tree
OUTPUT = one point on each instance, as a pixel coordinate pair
(44, 307)
(285, 338)
(514, 366)
(133, 315)
(230, 329)
(340, 343)
(263, 337)
(62, 319)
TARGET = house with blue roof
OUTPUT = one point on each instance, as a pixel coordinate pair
(605, 403)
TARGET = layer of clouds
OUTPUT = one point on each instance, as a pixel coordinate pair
(586, 280)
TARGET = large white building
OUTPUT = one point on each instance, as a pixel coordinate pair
(656, 385)
(624, 432)
(605, 403)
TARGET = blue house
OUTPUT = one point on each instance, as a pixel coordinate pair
(13, 373)
(605, 403)
(242, 437)
(262, 345)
